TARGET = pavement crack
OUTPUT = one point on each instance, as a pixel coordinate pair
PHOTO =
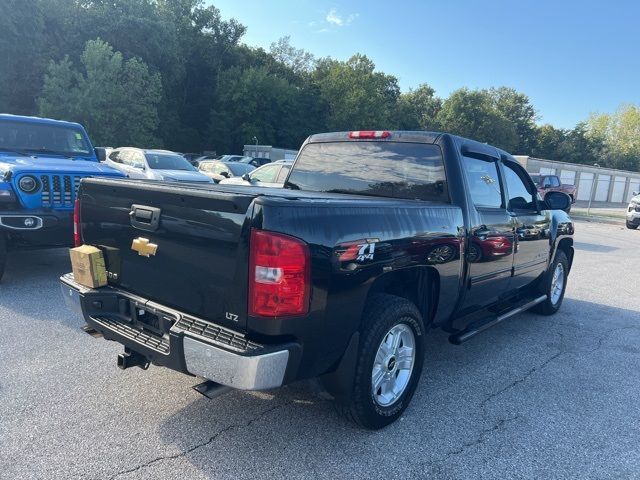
(211, 439)
(524, 377)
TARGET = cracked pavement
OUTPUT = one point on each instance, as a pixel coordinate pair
(550, 397)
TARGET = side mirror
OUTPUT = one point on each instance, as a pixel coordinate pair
(225, 174)
(635, 193)
(246, 177)
(557, 201)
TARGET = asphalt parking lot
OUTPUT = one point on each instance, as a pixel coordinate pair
(534, 397)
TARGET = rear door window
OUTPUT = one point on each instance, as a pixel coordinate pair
(382, 169)
(484, 182)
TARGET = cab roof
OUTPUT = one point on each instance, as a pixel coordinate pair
(38, 120)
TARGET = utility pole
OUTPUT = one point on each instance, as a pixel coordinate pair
(255, 139)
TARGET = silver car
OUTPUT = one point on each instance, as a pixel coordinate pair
(160, 165)
(633, 212)
(270, 175)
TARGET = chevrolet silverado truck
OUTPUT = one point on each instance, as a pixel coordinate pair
(376, 238)
(551, 183)
(41, 164)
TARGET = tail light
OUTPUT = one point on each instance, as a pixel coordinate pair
(370, 134)
(77, 240)
(279, 275)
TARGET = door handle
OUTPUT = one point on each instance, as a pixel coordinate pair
(145, 218)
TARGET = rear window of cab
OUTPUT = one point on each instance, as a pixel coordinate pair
(412, 171)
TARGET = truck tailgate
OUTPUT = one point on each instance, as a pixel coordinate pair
(200, 261)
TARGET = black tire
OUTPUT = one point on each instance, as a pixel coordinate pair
(3, 253)
(549, 307)
(381, 314)
(631, 226)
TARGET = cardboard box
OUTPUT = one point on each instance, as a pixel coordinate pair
(87, 263)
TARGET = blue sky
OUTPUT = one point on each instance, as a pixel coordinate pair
(571, 57)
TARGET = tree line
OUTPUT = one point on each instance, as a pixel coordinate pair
(174, 74)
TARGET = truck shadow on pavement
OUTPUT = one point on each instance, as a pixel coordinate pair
(502, 391)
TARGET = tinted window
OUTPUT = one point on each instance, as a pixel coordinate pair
(168, 161)
(34, 137)
(519, 196)
(384, 169)
(555, 181)
(484, 182)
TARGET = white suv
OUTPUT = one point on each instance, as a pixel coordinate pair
(633, 212)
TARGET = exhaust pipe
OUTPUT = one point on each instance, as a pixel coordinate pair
(132, 359)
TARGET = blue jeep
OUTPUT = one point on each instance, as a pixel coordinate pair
(41, 164)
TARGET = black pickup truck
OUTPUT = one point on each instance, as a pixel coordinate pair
(375, 238)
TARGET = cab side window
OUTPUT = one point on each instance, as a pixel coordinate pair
(519, 196)
(484, 182)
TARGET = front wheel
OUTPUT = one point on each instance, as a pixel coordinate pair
(389, 364)
(554, 285)
(631, 226)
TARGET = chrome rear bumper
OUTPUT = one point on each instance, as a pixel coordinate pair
(257, 368)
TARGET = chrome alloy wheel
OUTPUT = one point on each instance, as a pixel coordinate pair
(557, 284)
(393, 365)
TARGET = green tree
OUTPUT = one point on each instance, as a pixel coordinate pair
(418, 109)
(516, 107)
(116, 100)
(357, 96)
(298, 60)
(473, 114)
(254, 102)
(619, 134)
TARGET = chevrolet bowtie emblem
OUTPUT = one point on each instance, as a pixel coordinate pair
(143, 247)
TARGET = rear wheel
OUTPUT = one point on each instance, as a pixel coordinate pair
(554, 285)
(3, 253)
(631, 226)
(389, 364)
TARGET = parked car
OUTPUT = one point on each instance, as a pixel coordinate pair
(192, 158)
(231, 158)
(255, 161)
(270, 175)
(633, 212)
(41, 164)
(334, 275)
(103, 152)
(551, 183)
(219, 170)
(154, 165)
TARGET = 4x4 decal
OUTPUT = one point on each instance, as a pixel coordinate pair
(358, 251)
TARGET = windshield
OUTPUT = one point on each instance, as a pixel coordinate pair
(36, 137)
(381, 169)
(168, 161)
(239, 169)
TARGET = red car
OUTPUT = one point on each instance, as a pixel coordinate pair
(551, 183)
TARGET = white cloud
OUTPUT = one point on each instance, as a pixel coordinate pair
(334, 18)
